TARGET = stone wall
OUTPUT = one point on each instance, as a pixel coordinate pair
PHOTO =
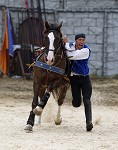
(55, 4)
(97, 19)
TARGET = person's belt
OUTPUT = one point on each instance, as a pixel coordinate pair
(79, 75)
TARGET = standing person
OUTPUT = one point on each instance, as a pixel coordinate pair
(81, 87)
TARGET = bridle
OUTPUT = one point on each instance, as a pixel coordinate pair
(56, 50)
(60, 42)
(44, 65)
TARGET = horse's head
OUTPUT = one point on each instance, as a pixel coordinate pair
(52, 40)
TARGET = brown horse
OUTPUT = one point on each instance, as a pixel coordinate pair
(49, 72)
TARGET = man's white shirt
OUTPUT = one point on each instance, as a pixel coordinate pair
(76, 54)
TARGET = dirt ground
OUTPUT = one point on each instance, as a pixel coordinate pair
(15, 104)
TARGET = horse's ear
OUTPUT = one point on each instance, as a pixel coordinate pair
(47, 25)
(60, 25)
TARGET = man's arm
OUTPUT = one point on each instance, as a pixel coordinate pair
(78, 54)
(75, 54)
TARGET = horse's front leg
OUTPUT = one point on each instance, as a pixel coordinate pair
(44, 98)
(43, 101)
(31, 119)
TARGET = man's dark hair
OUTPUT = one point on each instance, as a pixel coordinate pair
(81, 35)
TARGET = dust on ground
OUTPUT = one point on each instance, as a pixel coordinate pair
(15, 105)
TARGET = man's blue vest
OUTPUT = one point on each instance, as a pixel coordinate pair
(80, 66)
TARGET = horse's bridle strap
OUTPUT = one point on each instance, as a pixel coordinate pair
(49, 67)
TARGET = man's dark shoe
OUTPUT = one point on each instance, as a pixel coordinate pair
(89, 126)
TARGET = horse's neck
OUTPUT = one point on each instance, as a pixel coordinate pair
(60, 58)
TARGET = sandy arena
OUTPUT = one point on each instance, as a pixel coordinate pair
(15, 105)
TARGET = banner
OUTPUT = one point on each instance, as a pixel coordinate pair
(4, 50)
(8, 44)
(11, 37)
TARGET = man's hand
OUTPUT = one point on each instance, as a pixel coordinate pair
(65, 40)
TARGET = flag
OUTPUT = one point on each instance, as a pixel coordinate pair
(8, 43)
(11, 35)
(26, 4)
(4, 50)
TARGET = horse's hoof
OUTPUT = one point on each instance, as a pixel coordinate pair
(58, 122)
(28, 127)
(37, 111)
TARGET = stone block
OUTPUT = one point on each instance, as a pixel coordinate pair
(88, 22)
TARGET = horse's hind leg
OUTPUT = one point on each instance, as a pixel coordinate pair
(58, 119)
(37, 120)
(60, 101)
